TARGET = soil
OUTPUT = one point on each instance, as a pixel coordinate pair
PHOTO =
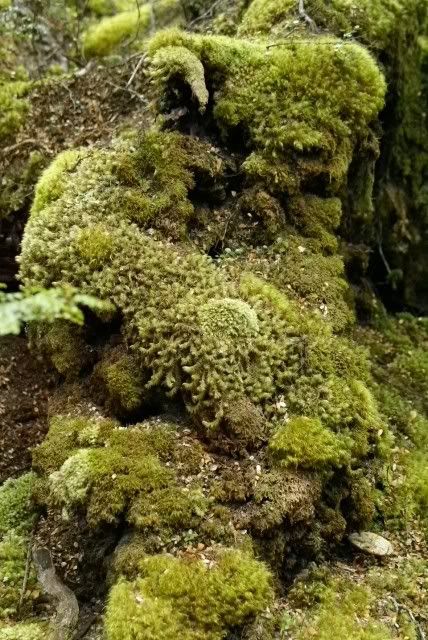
(24, 389)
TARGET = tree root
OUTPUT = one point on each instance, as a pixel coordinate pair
(67, 608)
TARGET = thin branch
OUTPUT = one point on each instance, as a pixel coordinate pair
(137, 67)
(403, 607)
(26, 574)
(205, 14)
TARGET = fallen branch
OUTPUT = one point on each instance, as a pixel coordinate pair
(403, 607)
(67, 608)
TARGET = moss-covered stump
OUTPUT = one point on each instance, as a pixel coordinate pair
(228, 421)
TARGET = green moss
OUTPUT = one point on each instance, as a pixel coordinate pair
(335, 603)
(63, 344)
(17, 184)
(13, 106)
(15, 512)
(300, 115)
(95, 244)
(179, 61)
(25, 631)
(172, 508)
(127, 26)
(124, 381)
(306, 443)
(109, 7)
(13, 554)
(178, 598)
(53, 180)
(65, 436)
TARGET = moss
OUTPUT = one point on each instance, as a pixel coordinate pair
(18, 184)
(65, 436)
(53, 180)
(282, 496)
(63, 344)
(318, 218)
(124, 381)
(178, 598)
(13, 106)
(15, 512)
(171, 508)
(95, 244)
(109, 33)
(24, 631)
(179, 61)
(289, 123)
(109, 7)
(306, 443)
(340, 603)
(13, 554)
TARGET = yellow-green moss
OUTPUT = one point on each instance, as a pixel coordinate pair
(95, 244)
(306, 443)
(25, 631)
(66, 435)
(13, 554)
(53, 180)
(310, 87)
(124, 381)
(102, 38)
(109, 7)
(63, 344)
(13, 106)
(15, 511)
(174, 598)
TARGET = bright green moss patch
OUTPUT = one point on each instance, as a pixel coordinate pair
(13, 106)
(177, 598)
(53, 181)
(15, 512)
(95, 244)
(305, 442)
(24, 631)
(65, 436)
(127, 26)
(311, 87)
(179, 61)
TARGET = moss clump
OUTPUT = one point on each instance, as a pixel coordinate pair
(15, 504)
(13, 554)
(63, 344)
(66, 435)
(53, 180)
(24, 631)
(108, 472)
(177, 598)
(13, 106)
(105, 36)
(17, 184)
(95, 244)
(306, 443)
(300, 117)
(341, 603)
(123, 379)
(168, 509)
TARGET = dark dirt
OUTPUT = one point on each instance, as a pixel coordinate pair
(24, 390)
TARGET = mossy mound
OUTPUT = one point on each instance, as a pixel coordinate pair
(189, 599)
